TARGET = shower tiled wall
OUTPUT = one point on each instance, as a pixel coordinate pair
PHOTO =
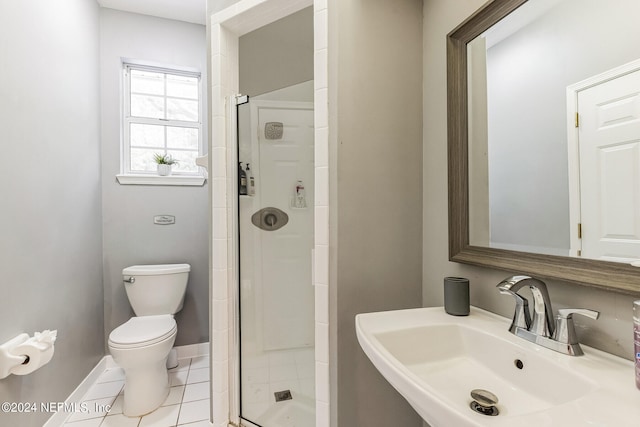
(321, 233)
(225, 28)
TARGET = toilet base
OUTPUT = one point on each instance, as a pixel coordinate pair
(145, 388)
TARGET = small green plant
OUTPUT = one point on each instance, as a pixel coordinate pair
(164, 159)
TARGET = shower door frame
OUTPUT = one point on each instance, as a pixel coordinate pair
(225, 28)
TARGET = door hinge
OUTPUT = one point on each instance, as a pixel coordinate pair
(579, 252)
(242, 99)
(577, 119)
(579, 230)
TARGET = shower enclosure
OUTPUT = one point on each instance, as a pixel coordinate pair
(276, 224)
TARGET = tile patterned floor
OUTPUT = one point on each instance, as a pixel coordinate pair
(187, 404)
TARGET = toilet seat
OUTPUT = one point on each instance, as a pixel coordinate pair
(143, 331)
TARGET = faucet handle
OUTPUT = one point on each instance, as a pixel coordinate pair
(567, 313)
(521, 316)
(565, 328)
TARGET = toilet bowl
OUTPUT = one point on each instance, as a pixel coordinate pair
(141, 345)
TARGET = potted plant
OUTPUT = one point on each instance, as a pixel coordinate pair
(164, 162)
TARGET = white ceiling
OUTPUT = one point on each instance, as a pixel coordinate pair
(194, 11)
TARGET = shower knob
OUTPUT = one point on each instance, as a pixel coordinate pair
(269, 219)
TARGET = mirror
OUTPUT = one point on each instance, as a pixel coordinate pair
(501, 213)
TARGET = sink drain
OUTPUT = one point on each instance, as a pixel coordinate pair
(490, 411)
(484, 402)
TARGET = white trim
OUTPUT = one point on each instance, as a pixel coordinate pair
(248, 15)
(161, 65)
(225, 28)
(161, 180)
(127, 119)
(193, 350)
(110, 362)
(575, 244)
(58, 418)
(287, 105)
(233, 263)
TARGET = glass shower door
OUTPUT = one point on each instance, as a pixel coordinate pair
(277, 362)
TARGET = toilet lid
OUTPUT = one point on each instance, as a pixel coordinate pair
(143, 330)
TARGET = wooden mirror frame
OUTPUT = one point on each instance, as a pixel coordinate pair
(612, 276)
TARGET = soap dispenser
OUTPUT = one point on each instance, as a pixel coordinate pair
(242, 180)
(251, 182)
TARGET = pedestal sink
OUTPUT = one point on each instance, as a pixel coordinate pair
(435, 360)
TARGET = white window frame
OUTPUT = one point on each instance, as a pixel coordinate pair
(127, 176)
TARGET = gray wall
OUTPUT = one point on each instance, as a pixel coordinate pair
(50, 189)
(277, 55)
(130, 237)
(611, 333)
(376, 201)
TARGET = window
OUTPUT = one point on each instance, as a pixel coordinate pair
(162, 114)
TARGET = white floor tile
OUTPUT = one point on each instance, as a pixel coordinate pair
(120, 421)
(99, 391)
(255, 375)
(204, 423)
(175, 396)
(200, 362)
(92, 409)
(165, 416)
(116, 407)
(178, 378)
(187, 404)
(198, 375)
(196, 391)
(183, 365)
(254, 411)
(94, 422)
(255, 393)
(194, 411)
(283, 373)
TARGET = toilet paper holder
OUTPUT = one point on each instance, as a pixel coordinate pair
(13, 359)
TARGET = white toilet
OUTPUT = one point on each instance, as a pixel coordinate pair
(141, 345)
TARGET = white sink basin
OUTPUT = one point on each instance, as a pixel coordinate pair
(434, 360)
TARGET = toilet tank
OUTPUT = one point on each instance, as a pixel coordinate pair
(156, 289)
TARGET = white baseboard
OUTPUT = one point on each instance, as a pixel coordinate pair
(58, 418)
(107, 362)
(193, 350)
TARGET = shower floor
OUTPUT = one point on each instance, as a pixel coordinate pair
(264, 374)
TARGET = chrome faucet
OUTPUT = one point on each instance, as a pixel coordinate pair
(541, 329)
(542, 322)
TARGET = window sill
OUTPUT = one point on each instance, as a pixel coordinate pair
(161, 180)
